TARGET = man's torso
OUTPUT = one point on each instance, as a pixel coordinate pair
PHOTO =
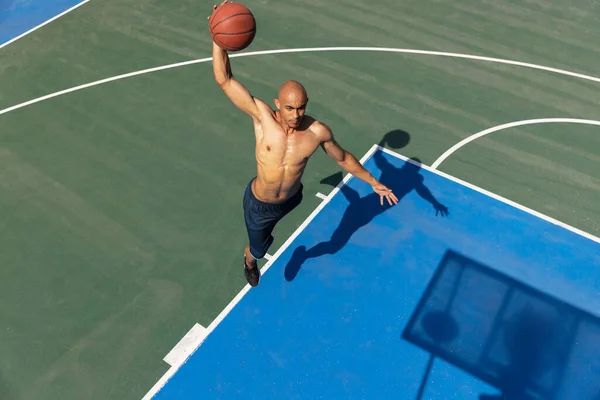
(281, 157)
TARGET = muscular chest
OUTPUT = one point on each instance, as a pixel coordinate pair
(277, 147)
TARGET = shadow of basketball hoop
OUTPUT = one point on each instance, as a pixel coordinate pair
(523, 342)
(441, 328)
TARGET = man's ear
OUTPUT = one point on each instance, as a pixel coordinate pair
(276, 103)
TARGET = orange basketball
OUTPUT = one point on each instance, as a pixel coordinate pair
(232, 26)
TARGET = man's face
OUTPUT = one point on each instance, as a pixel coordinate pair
(292, 112)
(292, 104)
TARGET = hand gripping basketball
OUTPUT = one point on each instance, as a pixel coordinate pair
(232, 26)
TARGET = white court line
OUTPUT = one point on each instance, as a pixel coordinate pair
(321, 195)
(469, 139)
(186, 345)
(163, 380)
(301, 50)
(35, 28)
(499, 198)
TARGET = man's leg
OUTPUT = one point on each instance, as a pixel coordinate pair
(260, 239)
(251, 271)
(261, 219)
(250, 260)
(259, 225)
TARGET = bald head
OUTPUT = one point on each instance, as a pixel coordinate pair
(291, 101)
(292, 89)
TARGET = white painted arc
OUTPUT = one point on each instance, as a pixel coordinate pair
(301, 50)
(100, 82)
(478, 135)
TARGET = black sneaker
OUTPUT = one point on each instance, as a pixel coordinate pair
(252, 274)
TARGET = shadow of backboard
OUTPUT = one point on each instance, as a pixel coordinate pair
(525, 343)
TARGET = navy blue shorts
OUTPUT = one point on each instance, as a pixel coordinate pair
(262, 217)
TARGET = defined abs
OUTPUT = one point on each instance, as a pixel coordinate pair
(276, 185)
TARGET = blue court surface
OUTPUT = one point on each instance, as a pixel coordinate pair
(373, 302)
(19, 16)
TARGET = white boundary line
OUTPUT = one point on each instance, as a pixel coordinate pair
(302, 50)
(499, 198)
(35, 28)
(321, 195)
(163, 380)
(188, 343)
(469, 139)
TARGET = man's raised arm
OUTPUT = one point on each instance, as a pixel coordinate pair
(237, 93)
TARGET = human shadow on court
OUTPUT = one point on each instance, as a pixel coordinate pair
(511, 336)
(362, 210)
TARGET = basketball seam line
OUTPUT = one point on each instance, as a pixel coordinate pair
(221, 44)
(226, 18)
(237, 33)
(215, 14)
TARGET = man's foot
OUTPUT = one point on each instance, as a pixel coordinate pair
(252, 274)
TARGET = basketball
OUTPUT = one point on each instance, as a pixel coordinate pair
(232, 26)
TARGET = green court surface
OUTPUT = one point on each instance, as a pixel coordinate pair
(121, 221)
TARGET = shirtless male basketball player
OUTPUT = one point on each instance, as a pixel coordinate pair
(285, 140)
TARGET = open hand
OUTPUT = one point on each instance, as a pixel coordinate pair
(441, 210)
(384, 191)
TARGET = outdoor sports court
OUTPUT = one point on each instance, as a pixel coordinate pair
(124, 168)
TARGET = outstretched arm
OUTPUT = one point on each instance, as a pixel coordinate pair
(237, 93)
(425, 193)
(350, 164)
